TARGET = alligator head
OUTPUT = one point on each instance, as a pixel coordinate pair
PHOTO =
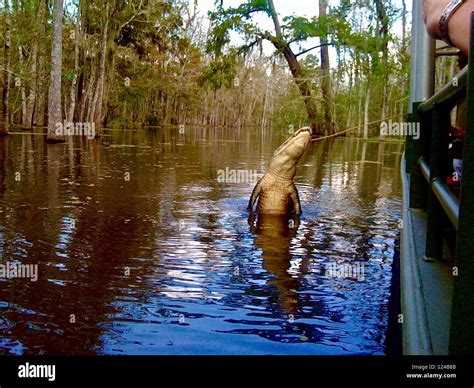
(285, 158)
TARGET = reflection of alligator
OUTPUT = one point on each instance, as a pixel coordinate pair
(274, 234)
(276, 191)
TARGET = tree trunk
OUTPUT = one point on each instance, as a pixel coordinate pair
(40, 108)
(6, 72)
(72, 91)
(383, 27)
(41, 90)
(90, 96)
(265, 104)
(349, 110)
(404, 39)
(404, 25)
(328, 124)
(30, 103)
(358, 81)
(296, 71)
(304, 87)
(22, 89)
(366, 113)
(55, 116)
(99, 92)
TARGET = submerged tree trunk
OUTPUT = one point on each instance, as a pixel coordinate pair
(54, 95)
(6, 72)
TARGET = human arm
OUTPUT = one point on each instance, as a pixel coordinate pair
(458, 25)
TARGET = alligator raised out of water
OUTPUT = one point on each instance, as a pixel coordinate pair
(276, 192)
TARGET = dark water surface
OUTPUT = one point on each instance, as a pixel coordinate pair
(140, 250)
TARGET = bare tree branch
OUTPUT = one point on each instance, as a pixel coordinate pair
(313, 48)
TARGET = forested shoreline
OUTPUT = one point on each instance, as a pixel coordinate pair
(124, 64)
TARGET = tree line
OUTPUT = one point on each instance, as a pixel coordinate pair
(156, 62)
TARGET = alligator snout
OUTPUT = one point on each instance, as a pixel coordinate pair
(303, 130)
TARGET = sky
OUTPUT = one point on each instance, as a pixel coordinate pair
(308, 8)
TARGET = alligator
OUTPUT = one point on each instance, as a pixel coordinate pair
(276, 192)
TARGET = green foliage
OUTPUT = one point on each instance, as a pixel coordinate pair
(178, 71)
(220, 72)
(234, 19)
(300, 28)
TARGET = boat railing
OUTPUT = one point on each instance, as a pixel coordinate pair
(426, 158)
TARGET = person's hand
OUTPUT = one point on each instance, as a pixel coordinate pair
(433, 10)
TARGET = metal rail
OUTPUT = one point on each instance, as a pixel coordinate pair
(447, 199)
(451, 93)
